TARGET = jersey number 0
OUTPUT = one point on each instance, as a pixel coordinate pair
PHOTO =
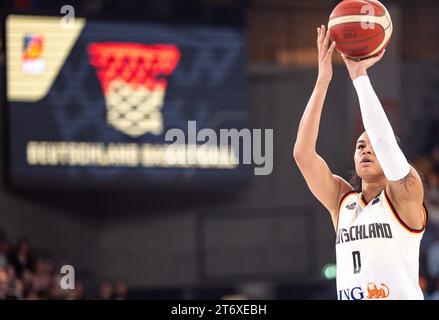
(357, 261)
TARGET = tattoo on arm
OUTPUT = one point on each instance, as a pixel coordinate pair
(407, 181)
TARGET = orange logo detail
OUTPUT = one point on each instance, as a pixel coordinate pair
(373, 292)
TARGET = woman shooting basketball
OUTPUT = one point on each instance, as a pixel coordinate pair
(380, 228)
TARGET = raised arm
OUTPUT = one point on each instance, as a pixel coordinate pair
(325, 186)
(404, 188)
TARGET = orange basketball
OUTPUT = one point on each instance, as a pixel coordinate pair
(361, 28)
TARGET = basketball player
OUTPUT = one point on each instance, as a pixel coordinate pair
(379, 228)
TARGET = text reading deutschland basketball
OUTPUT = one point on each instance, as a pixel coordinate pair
(202, 149)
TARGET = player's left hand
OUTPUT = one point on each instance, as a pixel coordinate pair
(359, 68)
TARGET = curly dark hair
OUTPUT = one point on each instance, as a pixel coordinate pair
(356, 181)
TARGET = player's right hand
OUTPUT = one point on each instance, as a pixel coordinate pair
(359, 68)
(325, 54)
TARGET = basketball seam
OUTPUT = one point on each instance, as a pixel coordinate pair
(347, 15)
(365, 39)
(357, 19)
(383, 45)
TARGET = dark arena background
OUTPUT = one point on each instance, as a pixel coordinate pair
(89, 180)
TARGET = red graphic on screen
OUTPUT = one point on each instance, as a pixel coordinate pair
(132, 77)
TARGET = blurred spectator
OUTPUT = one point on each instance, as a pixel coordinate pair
(432, 204)
(120, 290)
(19, 288)
(433, 258)
(238, 296)
(5, 248)
(31, 295)
(43, 295)
(3, 261)
(6, 290)
(78, 293)
(433, 188)
(105, 290)
(435, 156)
(435, 294)
(43, 275)
(423, 283)
(55, 291)
(23, 259)
(23, 276)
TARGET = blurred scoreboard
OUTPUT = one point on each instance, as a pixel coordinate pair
(95, 104)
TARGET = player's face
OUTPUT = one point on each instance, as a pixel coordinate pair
(366, 163)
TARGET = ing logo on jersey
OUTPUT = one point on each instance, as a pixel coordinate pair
(357, 293)
(373, 292)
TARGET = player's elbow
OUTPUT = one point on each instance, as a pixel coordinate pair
(301, 155)
(297, 153)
